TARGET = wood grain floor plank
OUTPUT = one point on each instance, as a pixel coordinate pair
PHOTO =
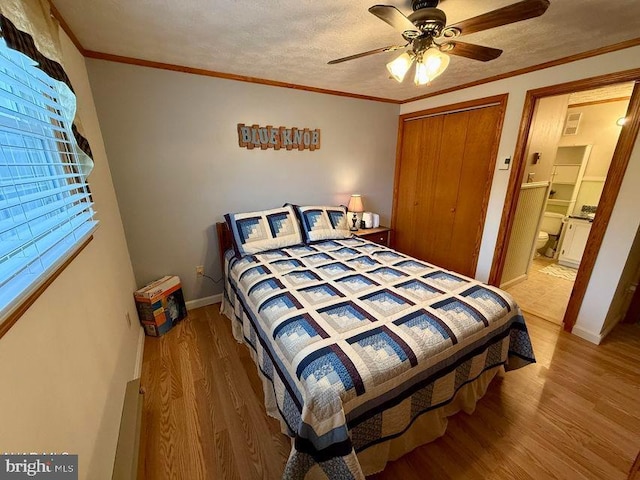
(191, 437)
(189, 337)
(165, 444)
(573, 415)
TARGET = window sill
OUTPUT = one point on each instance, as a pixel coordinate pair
(15, 315)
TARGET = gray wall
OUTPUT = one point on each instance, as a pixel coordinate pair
(177, 167)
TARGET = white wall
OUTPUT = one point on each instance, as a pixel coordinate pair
(616, 246)
(64, 364)
(622, 297)
(177, 167)
(625, 219)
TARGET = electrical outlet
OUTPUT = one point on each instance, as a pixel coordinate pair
(128, 317)
(200, 270)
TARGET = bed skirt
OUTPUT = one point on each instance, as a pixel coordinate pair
(427, 427)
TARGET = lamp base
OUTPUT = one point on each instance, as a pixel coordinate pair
(354, 220)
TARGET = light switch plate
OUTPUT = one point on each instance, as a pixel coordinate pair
(505, 164)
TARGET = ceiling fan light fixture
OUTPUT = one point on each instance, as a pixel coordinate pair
(428, 36)
(399, 67)
(430, 64)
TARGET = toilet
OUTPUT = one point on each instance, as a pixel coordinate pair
(551, 225)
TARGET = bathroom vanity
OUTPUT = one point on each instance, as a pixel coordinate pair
(576, 234)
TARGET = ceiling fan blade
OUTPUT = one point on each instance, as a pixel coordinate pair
(365, 54)
(469, 50)
(394, 17)
(503, 16)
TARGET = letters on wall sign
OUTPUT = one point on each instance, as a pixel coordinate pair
(278, 137)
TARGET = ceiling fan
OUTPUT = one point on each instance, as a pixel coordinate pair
(429, 37)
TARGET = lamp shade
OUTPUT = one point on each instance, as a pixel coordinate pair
(355, 204)
(399, 67)
(430, 64)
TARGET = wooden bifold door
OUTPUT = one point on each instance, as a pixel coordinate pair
(443, 178)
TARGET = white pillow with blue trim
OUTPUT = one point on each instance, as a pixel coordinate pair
(323, 223)
(255, 232)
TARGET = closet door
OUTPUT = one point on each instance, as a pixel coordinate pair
(414, 149)
(444, 178)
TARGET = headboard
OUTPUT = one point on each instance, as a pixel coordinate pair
(225, 242)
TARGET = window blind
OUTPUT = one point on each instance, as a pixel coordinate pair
(46, 209)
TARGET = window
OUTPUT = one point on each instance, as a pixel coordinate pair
(46, 209)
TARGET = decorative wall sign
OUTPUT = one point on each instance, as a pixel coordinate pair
(278, 137)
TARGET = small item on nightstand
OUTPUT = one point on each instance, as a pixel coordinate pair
(367, 218)
(376, 220)
(355, 206)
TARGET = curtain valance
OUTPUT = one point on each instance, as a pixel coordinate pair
(28, 27)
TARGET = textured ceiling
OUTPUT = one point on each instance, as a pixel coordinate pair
(292, 40)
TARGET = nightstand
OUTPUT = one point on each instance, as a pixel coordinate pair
(378, 235)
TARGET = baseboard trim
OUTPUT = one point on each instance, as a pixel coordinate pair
(595, 337)
(587, 335)
(611, 326)
(137, 371)
(203, 302)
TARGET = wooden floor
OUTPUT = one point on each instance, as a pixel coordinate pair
(573, 415)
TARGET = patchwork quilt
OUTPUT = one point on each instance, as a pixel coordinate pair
(356, 341)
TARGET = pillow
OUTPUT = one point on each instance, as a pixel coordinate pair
(256, 232)
(323, 223)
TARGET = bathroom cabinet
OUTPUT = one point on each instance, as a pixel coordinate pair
(575, 240)
(568, 170)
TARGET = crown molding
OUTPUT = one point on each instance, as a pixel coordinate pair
(229, 76)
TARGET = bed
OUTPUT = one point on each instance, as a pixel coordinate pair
(364, 352)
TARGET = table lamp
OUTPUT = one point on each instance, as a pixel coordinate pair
(355, 206)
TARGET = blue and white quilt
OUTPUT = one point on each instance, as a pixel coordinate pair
(357, 340)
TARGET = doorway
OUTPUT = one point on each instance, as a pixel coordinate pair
(570, 147)
(619, 162)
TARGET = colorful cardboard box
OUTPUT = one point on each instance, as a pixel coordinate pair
(160, 305)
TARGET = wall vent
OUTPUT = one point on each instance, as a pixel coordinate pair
(572, 123)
